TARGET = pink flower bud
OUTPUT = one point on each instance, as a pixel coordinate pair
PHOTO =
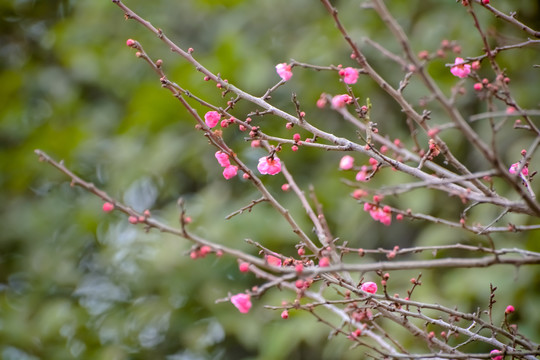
(346, 162)
(133, 219)
(108, 207)
(205, 250)
(495, 354)
(273, 260)
(243, 267)
(509, 309)
(324, 262)
(130, 42)
(242, 302)
(285, 314)
(284, 71)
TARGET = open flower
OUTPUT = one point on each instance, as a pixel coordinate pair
(242, 302)
(369, 287)
(514, 168)
(340, 101)
(270, 165)
(222, 158)
(349, 74)
(230, 171)
(460, 69)
(284, 71)
(211, 118)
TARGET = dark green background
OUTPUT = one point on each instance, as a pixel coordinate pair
(78, 283)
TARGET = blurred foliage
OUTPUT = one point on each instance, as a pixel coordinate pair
(78, 283)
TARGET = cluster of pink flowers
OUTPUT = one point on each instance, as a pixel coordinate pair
(212, 118)
(349, 75)
(340, 101)
(284, 71)
(270, 165)
(230, 171)
(460, 69)
(384, 214)
(242, 302)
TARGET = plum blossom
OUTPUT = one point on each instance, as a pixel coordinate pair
(211, 118)
(222, 158)
(496, 354)
(346, 162)
(324, 262)
(242, 302)
(509, 309)
(273, 260)
(384, 215)
(340, 101)
(362, 174)
(284, 71)
(230, 171)
(270, 165)
(514, 168)
(108, 207)
(349, 74)
(460, 69)
(369, 287)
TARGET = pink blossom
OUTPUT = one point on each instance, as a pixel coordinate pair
(362, 174)
(242, 302)
(369, 287)
(108, 207)
(509, 309)
(270, 165)
(510, 110)
(130, 42)
(349, 74)
(284, 71)
(495, 354)
(273, 260)
(211, 118)
(383, 215)
(340, 101)
(222, 158)
(346, 162)
(324, 262)
(514, 168)
(243, 267)
(284, 314)
(230, 171)
(321, 103)
(460, 69)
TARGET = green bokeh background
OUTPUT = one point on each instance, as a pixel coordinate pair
(78, 283)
